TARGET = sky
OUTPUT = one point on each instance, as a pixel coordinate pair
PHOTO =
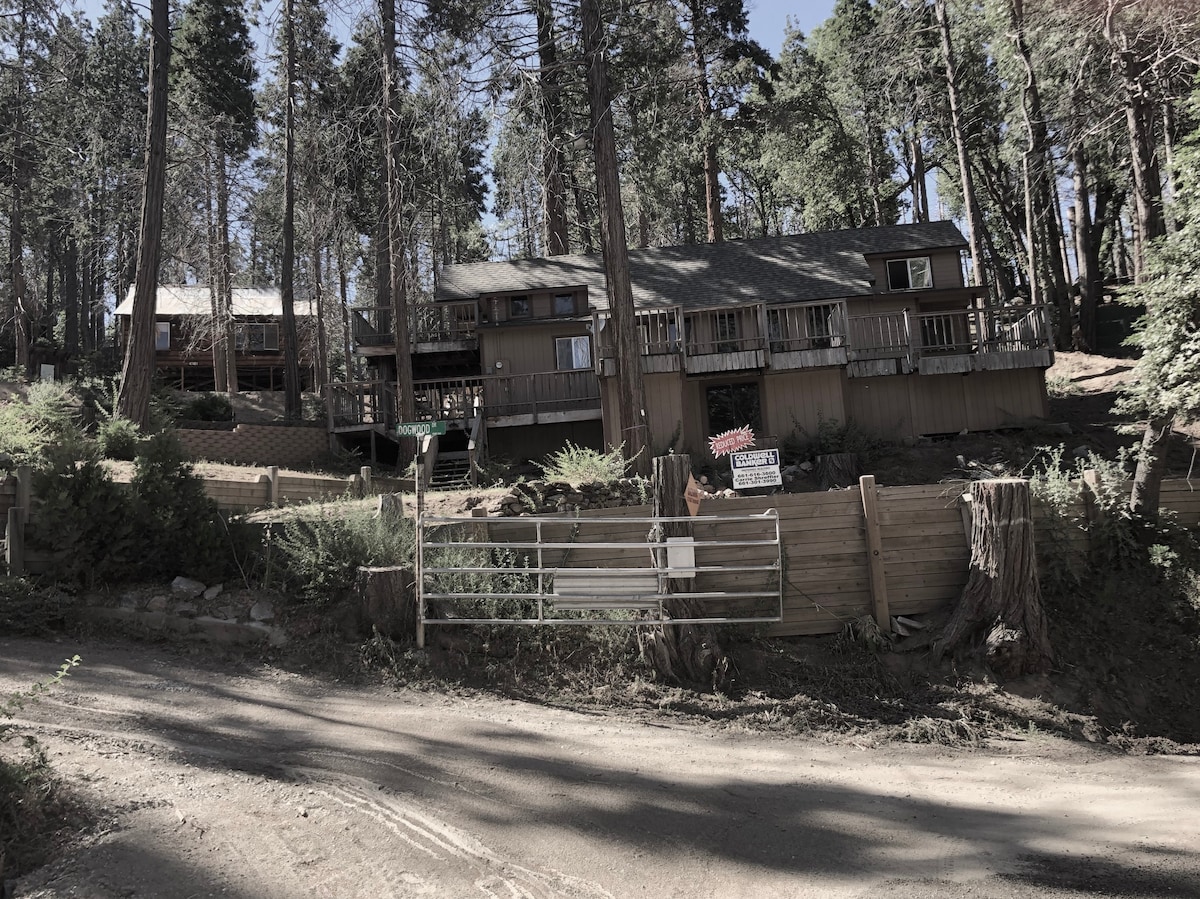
(768, 18)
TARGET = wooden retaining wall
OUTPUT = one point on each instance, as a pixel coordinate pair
(923, 543)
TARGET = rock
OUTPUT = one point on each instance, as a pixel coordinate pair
(130, 601)
(262, 611)
(185, 609)
(228, 613)
(805, 466)
(1081, 452)
(214, 591)
(703, 479)
(157, 604)
(187, 587)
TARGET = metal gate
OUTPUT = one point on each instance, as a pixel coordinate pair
(597, 570)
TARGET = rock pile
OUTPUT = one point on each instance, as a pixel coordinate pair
(545, 497)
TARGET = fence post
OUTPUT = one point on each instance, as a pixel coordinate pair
(1092, 485)
(879, 597)
(14, 546)
(365, 473)
(24, 491)
(273, 485)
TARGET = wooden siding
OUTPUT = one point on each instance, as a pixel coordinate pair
(998, 399)
(525, 351)
(881, 406)
(535, 442)
(802, 399)
(945, 266)
(938, 404)
(541, 303)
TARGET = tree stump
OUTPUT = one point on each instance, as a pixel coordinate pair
(1000, 614)
(836, 470)
(389, 601)
(685, 653)
(390, 506)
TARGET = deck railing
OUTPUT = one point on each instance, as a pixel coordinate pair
(428, 323)
(459, 399)
(806, 326)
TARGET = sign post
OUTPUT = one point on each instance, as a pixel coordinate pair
(417, 430)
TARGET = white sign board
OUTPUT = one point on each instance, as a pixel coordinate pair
(756, 468)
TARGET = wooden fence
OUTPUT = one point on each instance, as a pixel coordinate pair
(913, 541)
(905, 553)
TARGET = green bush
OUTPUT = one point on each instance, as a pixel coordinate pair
(162, 525)
(207, 407)
(47, 417)
(319, 551)
(28, 609)
(178, 524)
(118, 438)
(84, 517)
(584, 465)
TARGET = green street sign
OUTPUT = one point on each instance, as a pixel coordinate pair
(420, 428)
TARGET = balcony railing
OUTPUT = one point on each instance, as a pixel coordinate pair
(429, 323)
(456, 399)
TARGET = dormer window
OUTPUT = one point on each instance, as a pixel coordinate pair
(519, 307)
(564, 304)
(909, 274)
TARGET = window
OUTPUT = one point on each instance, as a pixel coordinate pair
(162, 336)
(909, 274)
(257, 337)
(573, 353)
(732, 406)
(725, 329)
(519, 307)
(564, 304)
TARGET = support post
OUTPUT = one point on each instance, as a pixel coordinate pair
(879, 597)
(1092, 485)
(24, 491)
(273, 485)
(14, 546)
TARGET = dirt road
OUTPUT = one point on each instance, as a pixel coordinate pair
(253, 783)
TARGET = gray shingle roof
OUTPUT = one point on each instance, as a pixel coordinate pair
(823, 265)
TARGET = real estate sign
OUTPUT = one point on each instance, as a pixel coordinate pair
(731, 441)
(757, 468)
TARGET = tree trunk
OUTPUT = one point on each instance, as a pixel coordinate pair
(218, 332)
(292, 409)
(1000, 612)
(708, 139)
(685, 653)
(554, 192)
(974, 218)
(18, 308)
(388, 601)
(1152, 463)
(631, 392)
(836, 470)
(1086, 255)
(137, 372)
(225, 269)
(395, 206)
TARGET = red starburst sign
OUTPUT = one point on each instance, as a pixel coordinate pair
(731, 441)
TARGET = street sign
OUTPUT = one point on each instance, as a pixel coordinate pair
(420, 428)
(757, 468)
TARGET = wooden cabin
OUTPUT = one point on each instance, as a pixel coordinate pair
(873, 325)
(183, 336)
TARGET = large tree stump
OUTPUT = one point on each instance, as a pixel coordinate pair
(1000, 614)
(836, 470)
(388, 601)
(685, 653)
